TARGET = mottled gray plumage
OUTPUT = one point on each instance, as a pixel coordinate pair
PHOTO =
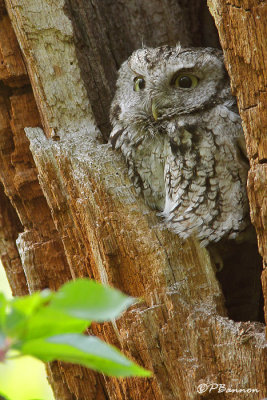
(184, 146)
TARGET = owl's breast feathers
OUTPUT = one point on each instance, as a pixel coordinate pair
(206, 178)
(191, 168)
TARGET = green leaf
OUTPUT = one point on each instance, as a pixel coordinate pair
(3, 305)
(15, 324)
(21, 309)
(85, 350)
(29, 304)
(90, 300)
(48, 322)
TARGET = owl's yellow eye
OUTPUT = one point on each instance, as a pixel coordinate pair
(186, 81)
(139, 83)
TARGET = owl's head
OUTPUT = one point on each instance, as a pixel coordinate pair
(157, 84)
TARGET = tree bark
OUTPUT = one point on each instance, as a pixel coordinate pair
(245, 51)
(81, 216)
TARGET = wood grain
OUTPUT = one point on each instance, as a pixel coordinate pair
(91, 217)
(242, 27)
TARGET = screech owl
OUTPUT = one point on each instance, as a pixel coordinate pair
(176, 122)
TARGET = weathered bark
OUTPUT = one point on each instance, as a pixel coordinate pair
(43, 259)
(10, 227)
(245, 50)
(83, 218)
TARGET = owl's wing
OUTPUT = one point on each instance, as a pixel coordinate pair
(190, 189)
(205, 179)
(232, 120)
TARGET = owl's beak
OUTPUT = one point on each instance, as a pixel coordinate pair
(154, 110)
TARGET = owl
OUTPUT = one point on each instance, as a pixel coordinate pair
(177, 125)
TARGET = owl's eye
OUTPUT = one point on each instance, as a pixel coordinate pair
(139, 83)
(186, 81)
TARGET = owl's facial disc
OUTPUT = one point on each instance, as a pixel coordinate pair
(181, 80)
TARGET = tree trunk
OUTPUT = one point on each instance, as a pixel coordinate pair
(80, 215)
(245, 51)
